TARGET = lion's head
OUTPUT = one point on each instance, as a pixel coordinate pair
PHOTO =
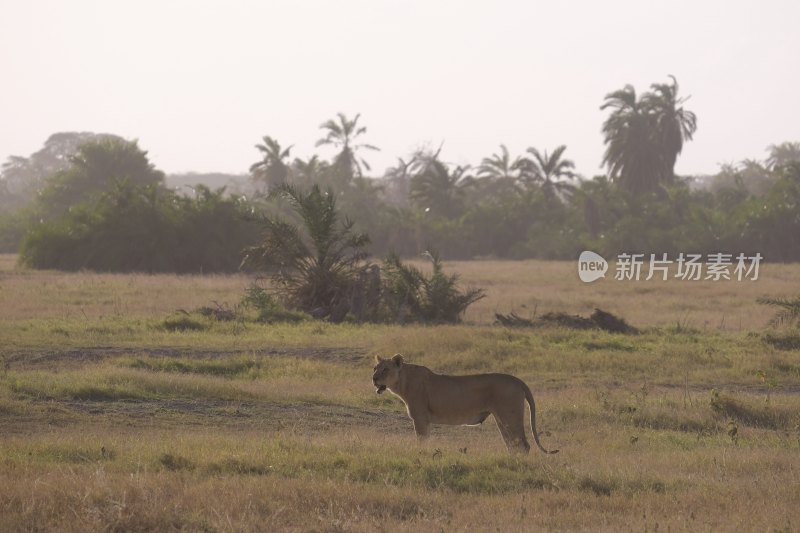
(386, 373)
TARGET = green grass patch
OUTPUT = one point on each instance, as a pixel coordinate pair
(249, 367)
(71, 453)
(110, 384)
(224, 367)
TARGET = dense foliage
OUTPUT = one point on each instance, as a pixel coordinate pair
(144, 229)
(109, 210)
(318, 266)
(95, 201)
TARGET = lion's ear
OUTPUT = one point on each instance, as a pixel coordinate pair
(397, 359)
(378, 358)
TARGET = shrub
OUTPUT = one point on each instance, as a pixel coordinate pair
(410, 295)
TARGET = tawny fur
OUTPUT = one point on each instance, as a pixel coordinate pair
(433, 398)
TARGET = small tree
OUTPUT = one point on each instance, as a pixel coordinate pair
(315, 268)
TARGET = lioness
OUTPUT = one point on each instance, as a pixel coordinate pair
(459, 400)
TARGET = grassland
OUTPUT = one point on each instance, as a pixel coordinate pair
(111, 421)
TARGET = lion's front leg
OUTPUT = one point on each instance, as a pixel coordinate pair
(422, 423)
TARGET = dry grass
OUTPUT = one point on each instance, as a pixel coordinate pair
(543, 286)
(33, 294)
(110, 422)
(526, 287)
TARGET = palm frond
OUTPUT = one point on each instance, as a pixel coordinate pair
(788, 313)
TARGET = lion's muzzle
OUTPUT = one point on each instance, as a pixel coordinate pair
(379, 389)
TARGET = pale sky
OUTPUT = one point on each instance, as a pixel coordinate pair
(200, 82)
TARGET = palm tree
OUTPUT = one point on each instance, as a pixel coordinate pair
(549, 171)
(644, 136)
(316, 265)
(272, 169)
(782, 154)
(434, 187)
(398, 182)
(631, 155)
(500, 166)
(501, 173)
(673, 123)
(342, 134)
(310, 171)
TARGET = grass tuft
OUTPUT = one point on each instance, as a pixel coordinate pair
(183, 322)
(175, 463)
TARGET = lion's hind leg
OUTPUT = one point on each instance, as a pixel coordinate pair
(512, 428)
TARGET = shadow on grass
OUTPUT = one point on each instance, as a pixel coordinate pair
(788, 341)
(763, 416)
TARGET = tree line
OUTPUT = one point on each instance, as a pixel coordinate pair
(97, 202)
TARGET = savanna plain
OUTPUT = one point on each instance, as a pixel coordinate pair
(123, 408)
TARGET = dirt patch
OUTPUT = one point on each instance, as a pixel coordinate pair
(173, 413)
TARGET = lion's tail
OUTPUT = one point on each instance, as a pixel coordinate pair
(529, 397)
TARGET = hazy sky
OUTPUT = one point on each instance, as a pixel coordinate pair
(200, 82)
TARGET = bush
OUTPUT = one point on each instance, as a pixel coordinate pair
(409, 295)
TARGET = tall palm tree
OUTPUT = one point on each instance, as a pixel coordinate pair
(673, 123)
(549, 171)
(631, 155)
(272, 169)
(644, 135)
(342, 134)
